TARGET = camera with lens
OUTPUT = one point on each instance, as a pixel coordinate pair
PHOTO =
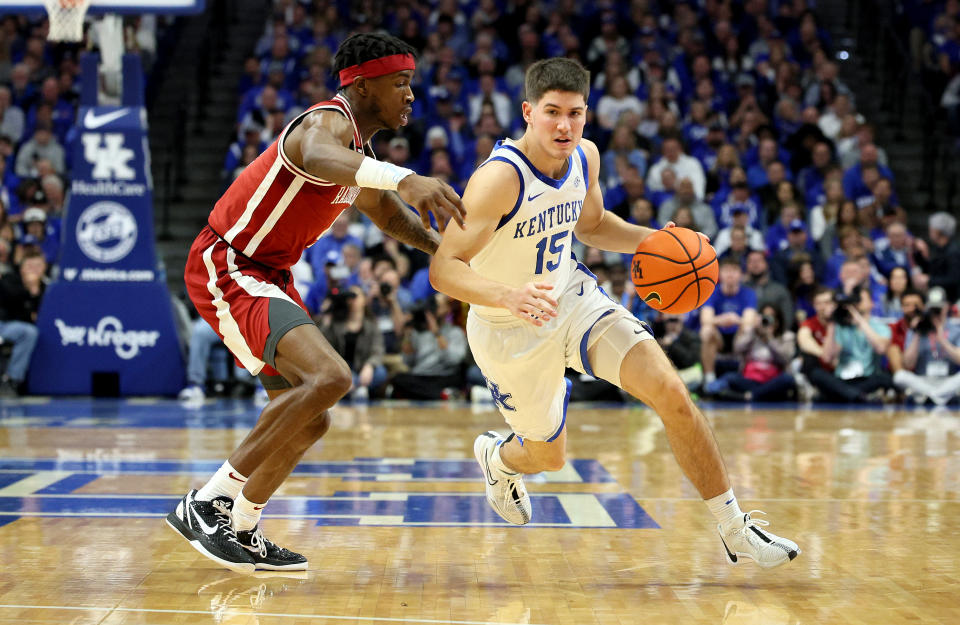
(385, 289)
(926, 325)
(841, 315)
(340, 303)
(418, 315)
(767, 321)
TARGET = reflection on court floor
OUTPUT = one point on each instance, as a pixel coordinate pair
(389, 508)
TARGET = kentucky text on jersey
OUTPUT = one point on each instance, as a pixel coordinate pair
(560, 214)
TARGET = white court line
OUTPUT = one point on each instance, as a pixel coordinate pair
(324, 617)
(32, 483)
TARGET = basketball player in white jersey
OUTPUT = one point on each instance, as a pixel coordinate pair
(536, 310)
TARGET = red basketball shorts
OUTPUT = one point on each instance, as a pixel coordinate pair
(250, 306)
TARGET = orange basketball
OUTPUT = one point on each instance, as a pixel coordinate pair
(674, 270)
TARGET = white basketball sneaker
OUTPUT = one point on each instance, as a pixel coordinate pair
(749, 541)
(505, 491)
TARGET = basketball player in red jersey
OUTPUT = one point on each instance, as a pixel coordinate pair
(237, 276)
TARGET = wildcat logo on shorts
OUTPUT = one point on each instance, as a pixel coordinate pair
(499, 398)
(108, 332)
(106, 232)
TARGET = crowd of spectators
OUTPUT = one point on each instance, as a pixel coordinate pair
(39, 93)
(725, 117)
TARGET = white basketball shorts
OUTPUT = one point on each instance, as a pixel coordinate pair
(524, 364)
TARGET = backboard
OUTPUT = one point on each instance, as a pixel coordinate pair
(121, 7)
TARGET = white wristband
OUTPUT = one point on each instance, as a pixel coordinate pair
(374, 174)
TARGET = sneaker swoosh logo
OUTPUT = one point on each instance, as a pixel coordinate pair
(531, 198)
(207, 529)
(486, 467)
(234, 477)
(581, 289)
(92, 121)
(732, 556)
(258, 507)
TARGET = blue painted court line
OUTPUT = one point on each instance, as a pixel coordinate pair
(562, 510)
(370, 469)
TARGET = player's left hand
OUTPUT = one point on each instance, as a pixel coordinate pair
(671, 224)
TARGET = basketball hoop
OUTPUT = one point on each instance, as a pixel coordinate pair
(66, 19)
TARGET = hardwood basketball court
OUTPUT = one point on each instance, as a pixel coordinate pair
(389, 509)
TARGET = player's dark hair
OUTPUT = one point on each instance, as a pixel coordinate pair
(363, 47)
(557, 74)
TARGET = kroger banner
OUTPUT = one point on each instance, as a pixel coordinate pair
(107, 314)
(102, 328)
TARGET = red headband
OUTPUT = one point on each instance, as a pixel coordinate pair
(377, 67)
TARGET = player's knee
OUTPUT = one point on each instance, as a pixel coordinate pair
(672, 397)
(333, 380)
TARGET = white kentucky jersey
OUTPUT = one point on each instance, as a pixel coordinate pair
(532, 243)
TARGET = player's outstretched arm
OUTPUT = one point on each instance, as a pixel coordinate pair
(324, 153)
(598, 227)
(490, 194)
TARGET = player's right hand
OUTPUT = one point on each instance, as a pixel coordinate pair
(431, 195)
(531, 302)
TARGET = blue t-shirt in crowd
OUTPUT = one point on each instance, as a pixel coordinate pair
(857, 357)
(932, 360)
(738, 302)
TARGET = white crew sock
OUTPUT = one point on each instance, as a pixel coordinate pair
(726, 509)
(497, 461)
(246, 514)
(226, 482)
(709, 377)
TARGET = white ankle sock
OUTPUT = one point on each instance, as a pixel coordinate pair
(497, 461)
(226, 482)
(726, 509)
(246, 514)
(709, 377)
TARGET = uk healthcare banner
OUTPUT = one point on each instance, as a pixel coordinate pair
(109, 312)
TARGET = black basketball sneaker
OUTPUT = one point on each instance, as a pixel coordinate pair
(268, 555)
(207, 526)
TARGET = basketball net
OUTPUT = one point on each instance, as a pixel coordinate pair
(66, 19)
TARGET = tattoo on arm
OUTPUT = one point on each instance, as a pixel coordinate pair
(405, 226)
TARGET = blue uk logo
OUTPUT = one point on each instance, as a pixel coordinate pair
(499, 398)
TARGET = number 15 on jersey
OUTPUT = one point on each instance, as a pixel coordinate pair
(556, 248)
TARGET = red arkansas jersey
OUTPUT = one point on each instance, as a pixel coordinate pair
(274, 209)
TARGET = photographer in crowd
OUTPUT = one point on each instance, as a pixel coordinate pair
(854, 343)
(765, 352)
(350, 328)
(911, 309)
(931, 353)
(435, 350)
